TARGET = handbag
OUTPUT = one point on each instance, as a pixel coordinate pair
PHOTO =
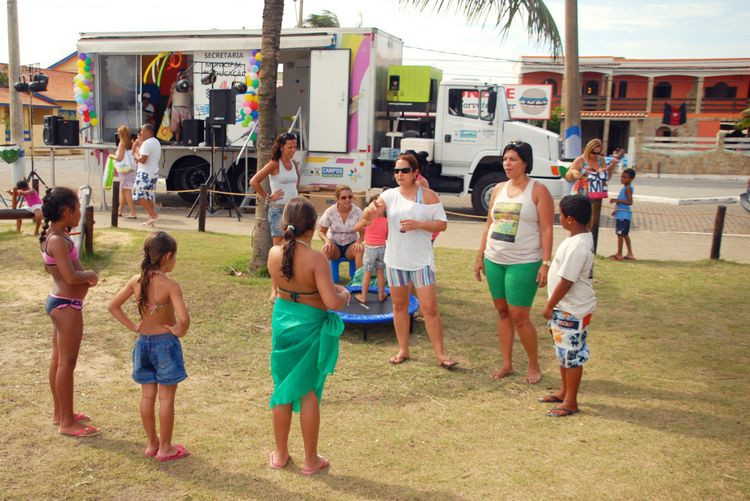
(109, 173)
(127, 164)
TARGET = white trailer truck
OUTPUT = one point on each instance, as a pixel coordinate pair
(334, 87)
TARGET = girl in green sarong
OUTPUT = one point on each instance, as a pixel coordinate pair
(305, 343)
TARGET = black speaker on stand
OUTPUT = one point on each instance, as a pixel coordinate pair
(50, 129)
(221, 112)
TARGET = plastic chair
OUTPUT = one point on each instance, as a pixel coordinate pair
(335, 268)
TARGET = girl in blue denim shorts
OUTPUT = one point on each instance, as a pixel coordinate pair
(157, 356)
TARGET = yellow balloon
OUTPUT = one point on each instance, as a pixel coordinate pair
(259, 57)
(94, 121)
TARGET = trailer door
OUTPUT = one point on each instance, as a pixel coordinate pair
(329, 100)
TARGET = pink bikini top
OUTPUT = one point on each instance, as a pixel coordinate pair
(51, 261)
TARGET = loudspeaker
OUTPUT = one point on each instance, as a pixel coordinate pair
(67, 133)
(221, 108)
(193, 132)
(50, 128)
(216, 130)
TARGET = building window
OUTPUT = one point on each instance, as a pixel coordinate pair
(721, 90)
(591, 88)
(663, 90)
(622, 90)
(553, 83)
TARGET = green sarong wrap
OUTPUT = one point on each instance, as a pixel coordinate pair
(304, 350)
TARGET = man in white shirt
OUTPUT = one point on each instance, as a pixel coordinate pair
(147, 152)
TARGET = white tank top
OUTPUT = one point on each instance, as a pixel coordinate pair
(513, 237)
(285, 180)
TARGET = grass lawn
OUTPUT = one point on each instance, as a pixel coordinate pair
(664, 399)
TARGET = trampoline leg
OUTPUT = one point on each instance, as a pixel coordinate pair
(364, 333)
(411, 324)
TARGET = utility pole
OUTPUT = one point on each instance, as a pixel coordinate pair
(572, 83)
(300, 18)
(16, 106)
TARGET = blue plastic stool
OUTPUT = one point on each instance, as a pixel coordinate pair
(335, 268)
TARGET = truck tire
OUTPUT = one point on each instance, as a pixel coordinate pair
(480, 195)
(238, 181)
(188, 173)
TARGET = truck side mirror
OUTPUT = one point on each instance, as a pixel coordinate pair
(492, 102)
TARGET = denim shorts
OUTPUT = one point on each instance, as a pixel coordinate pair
(569, 335)
(622, 227)
(158, 359)
(274, 220)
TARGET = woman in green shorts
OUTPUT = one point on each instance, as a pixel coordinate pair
(515, 254)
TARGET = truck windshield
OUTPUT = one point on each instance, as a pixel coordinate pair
(470, 103)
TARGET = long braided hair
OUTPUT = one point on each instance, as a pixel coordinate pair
(299, 217)
(54, 203)
(157, 245)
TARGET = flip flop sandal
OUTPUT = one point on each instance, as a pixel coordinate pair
(561, 412)
(151, 454)
(182, 452)
(398, 360)
(322, 466)
(89, 431)
(274, 465)
(448, 364)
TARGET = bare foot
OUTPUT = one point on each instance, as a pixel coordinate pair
(400, 358)
(533, 376)
(382, 297)
(616, 257)
(501, 372)
(313, 467)
(170, 450)
(276, 460)
(361, 297)
(630, 257)
(78, 429)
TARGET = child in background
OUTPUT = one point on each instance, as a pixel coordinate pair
(157, 356)
(571, 301)
(375, 234)
(33, 203)
(64, 305)
(623, 215)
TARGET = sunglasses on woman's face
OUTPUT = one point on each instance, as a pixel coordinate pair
(404, 170)
(597, 152)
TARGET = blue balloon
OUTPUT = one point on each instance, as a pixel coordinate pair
(254, 114)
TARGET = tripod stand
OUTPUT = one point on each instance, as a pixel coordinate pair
(33, 175)
(218, 181)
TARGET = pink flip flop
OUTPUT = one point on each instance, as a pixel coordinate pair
(182, 452)
(322, 466)
(89, 431)
(274, 465)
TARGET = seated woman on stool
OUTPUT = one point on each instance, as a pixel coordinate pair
(340, 239)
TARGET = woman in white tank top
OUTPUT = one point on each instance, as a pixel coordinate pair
(515, 254)
(283, 175)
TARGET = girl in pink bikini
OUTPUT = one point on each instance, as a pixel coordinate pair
(157, 356)
(62, 210)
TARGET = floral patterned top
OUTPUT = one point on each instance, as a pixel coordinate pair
(339, 231)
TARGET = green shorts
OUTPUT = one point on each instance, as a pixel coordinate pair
(516, 283)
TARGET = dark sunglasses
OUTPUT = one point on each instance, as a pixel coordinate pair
(346, 197)
(288, 136)
(516, 143)
(597, 152)
(404, 170)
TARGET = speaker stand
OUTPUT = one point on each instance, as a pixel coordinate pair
(218, 181)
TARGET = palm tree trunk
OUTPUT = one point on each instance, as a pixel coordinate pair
(572, 83)
(273, 13)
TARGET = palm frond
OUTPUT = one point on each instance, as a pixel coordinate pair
(540, 25)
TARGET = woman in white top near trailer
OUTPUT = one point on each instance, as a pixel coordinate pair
(413, 213)
(283, 176)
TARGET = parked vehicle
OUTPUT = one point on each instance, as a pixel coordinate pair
(336, 90)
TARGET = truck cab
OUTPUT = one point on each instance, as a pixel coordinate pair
(472, 124)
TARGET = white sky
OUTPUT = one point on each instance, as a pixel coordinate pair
(638, 29)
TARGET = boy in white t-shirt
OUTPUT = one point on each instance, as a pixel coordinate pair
(571, 301)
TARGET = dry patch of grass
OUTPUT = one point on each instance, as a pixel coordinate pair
(664, 399)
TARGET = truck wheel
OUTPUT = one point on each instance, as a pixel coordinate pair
(482, 192)
(188, 173)
(238, 181)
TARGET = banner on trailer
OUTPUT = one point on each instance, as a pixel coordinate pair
(529, 102)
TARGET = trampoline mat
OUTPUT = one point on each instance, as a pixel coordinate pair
(373, 311)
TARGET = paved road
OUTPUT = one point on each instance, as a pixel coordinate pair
(661, 231)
